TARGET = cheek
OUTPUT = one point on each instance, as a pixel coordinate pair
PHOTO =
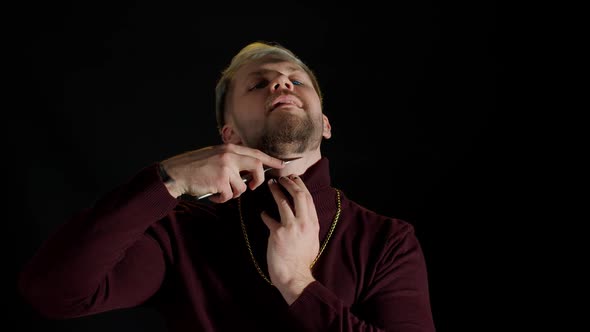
(311, 96)
(251, 101)
(247, 107)
(249, 118)
(314, 104)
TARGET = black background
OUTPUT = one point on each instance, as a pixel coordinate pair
(106, 88)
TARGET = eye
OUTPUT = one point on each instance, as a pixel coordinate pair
(259, 85)
(296, 82)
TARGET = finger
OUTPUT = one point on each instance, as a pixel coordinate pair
(270, 222)
(255, 169)
(297, 189)
(252, 167)
(237, 184)
(224, 193)
(255, 153)
(297, 180)
(228, 185)
(283, 204)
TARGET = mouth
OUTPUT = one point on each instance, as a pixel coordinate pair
(285, 100)
(283, 105)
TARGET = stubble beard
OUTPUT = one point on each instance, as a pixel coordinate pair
(291, 134)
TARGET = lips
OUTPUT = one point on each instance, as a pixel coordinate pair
(285, 100)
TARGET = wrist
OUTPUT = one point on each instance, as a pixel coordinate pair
(166, 178)
(292, 290)
(168, 181)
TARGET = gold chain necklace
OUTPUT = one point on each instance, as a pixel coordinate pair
(332, 227)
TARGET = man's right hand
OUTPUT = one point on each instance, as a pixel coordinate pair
(217, 169)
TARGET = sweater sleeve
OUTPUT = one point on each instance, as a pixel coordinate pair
(396, 300)
(102, 259)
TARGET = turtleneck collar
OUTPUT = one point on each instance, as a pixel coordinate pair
(317, 181)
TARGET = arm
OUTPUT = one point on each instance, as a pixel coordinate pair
(396, 300)
(101, 259)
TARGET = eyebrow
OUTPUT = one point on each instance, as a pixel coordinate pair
(261, 72)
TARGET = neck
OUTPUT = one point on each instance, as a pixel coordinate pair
(298, 166)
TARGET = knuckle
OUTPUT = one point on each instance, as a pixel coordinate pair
(225, 157)
(255, 182)
(226, 195)
(220, 184)
(259, 154)
(224, 172)
(258, 163)
(300, 194)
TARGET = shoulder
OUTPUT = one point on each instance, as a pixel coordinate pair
(376, 230)
(383, 241)
(365, 218)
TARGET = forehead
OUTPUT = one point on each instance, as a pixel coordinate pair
(262, 66)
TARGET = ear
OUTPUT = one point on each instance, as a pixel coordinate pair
(327, 128)
(229, 135)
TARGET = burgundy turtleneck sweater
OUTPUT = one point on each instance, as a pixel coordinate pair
(140, 246)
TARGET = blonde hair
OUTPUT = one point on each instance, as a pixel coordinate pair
(251, 52)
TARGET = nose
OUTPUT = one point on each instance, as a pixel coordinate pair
(281, 82)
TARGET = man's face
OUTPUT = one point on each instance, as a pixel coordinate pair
(272, 105)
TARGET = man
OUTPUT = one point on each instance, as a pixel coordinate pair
(272, 247)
